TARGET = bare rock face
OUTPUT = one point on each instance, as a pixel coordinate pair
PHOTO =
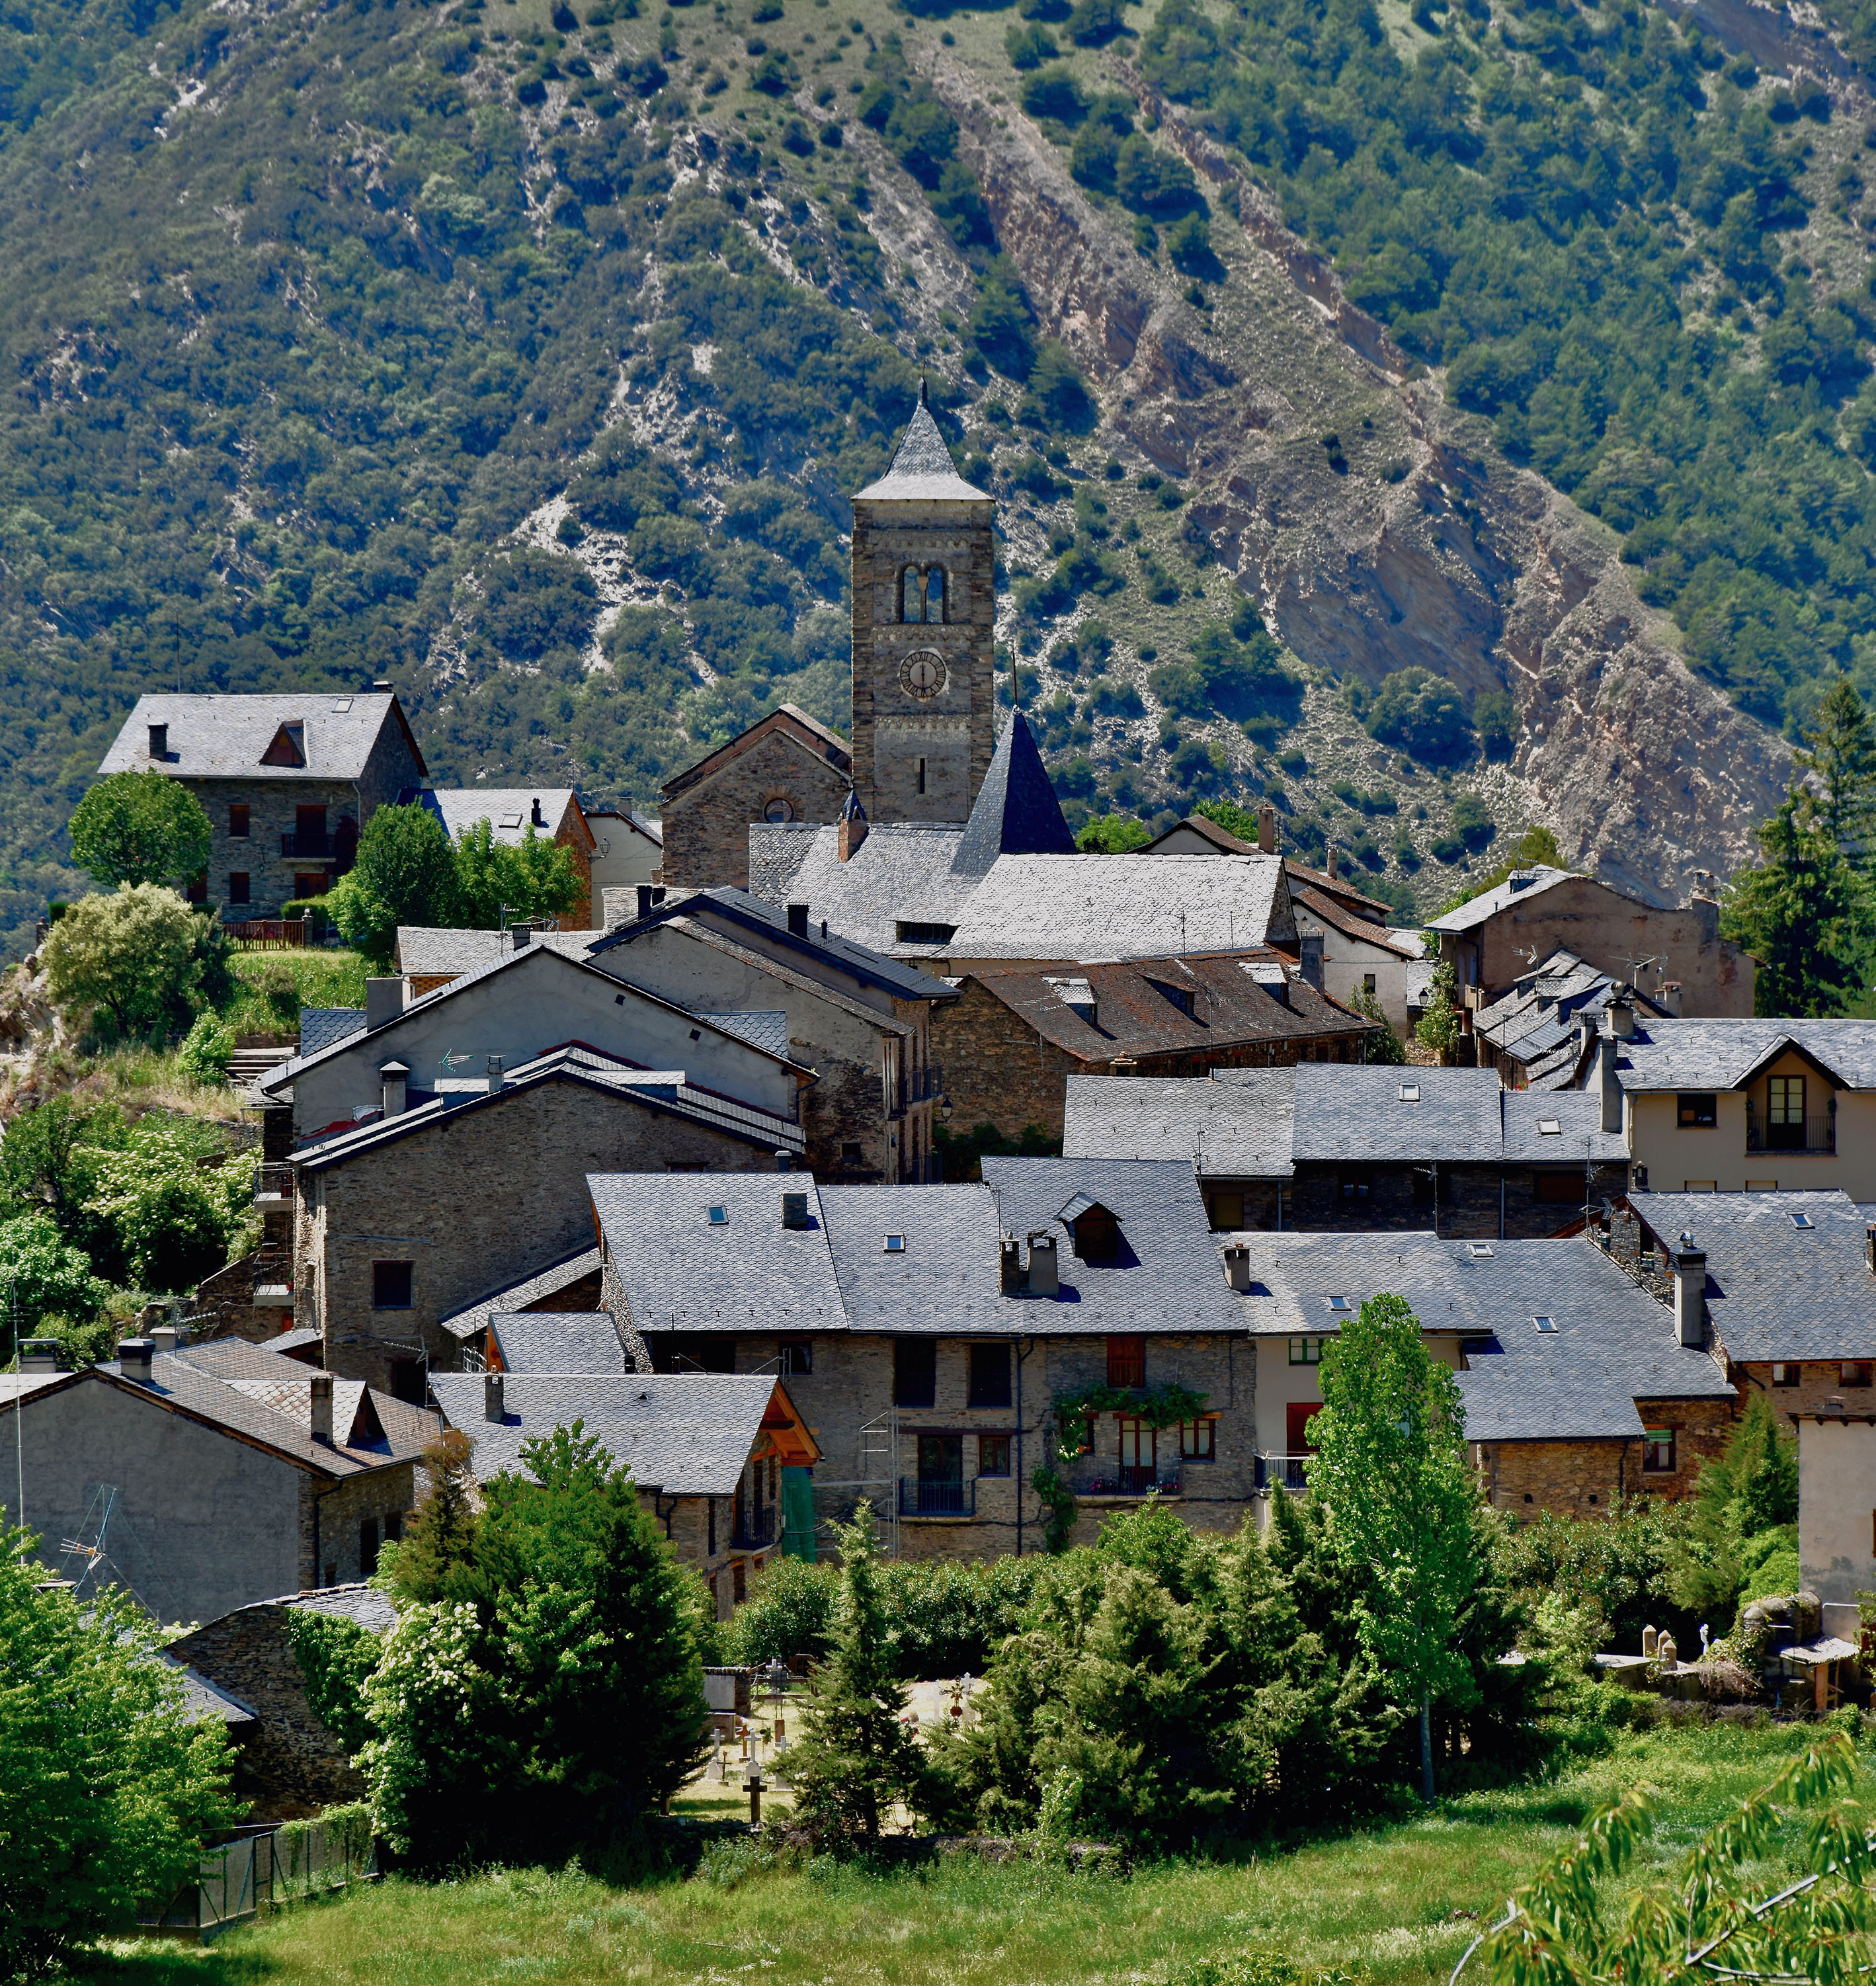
(1378, 527)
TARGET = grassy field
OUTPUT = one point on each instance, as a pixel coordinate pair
(1400, 1901)
(320, 978)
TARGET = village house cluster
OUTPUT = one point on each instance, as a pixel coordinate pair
(676, 1170)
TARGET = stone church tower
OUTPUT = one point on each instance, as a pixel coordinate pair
(924, 649)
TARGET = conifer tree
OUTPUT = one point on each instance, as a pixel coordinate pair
(858, 1757)
(1839, 751)
(1804, 914)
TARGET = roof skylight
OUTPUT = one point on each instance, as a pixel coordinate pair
(1545, 1325)
(1479, 1250)
(1548, 1127)
(719, 1216)
(1803, 1221)
(1339, 1303)
(1410, 1093)
(895, 1244)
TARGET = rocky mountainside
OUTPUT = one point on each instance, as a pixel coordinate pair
(527, 356)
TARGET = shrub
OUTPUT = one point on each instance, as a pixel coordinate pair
(1154, 182)
(1421, 713)
(141, 956)
(1056, 398)
(139, 827)
(111, 1786)
(1472, 824)
(171, 1216)
(405, 874)
(1113, 834)
(1029, 48)
(206, 1050)
(1495, 717)
(789, 1612)
(42, 1275)
(1053, 92)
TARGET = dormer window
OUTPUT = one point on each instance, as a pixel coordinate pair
(1180, 996)
(288, 747)
(1097, 1231)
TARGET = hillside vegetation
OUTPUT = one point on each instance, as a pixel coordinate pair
(526, 353)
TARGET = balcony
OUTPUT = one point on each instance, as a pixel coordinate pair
(1126, 1479)
(1282, 1472)
(755, 1533)
(308, 846)
(272, 1187)
(1815, 1136)
(272, 1296)
(925, 1497)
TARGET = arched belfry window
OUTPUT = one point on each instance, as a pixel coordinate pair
(911, 595)
(934, 593)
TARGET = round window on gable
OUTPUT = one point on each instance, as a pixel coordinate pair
(778, 811)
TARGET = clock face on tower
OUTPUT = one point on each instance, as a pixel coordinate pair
(922, 674)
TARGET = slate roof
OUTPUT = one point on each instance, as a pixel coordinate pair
(685, 1434)
(1130, 1014)
(1168, 1277)
(508, 810)
(1320, 903)
(1303, 877)
(946, 1279)
(1521, 886)
(224, 737)
(558, 1341)
(1016, 812)
(1534, 1024)
(922, 469)
(901, 872)
(710, 911)
(768, 1031)
(1262, 1123)
(652, 830)
(787, 718)
(547, 1282)
(664, 1091)
(358, 1602)
(1725, 1055)
(205, 1702)
(1776, 1291)
(424, 950)
(320, 1027)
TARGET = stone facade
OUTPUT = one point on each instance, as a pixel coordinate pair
(924, 669)
(1807, 1386)
(342, 1524)
(476, 1199)
(1586, 1478)
(786, 768)
(1467, 1203)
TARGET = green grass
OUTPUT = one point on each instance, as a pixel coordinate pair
(1401, 1900)
(294, 980)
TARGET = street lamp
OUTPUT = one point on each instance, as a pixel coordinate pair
(947, 1108)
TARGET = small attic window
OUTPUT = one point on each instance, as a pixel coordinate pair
(288, 747)
(1479, 1250)
(719, 1216)
(1339, 1303)
(1410, 1093)
(1803, 1221)
(895, 1244)
(509, 820)
(1548, 1127)
(342, 706)
(1546, 1325)
(1180, 996)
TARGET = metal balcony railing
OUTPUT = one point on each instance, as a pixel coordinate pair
(1126, 1479)
(273, 1186)
(1814, 1134)
(753, 1533)
(1282, 1472)
(306, 847)
(925, 1497)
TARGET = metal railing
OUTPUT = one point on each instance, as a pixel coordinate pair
(1126, 1479)
(1814, 1134)
(1282, 1472)
(306, 847)
(273, 1186)
(925, 1496)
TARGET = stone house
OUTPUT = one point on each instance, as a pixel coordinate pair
(628, 850)
(287, 782)
(928, 1334)
(1533, 1033)
(1733, 1106)
(1360, 953)
(1780, 1287)
(1491, 940)
(786, 767)
(571, 1284)
(405, 1218)
(708, 1452)
(1011, 1041)
(862, 1021)
(1837, 1500)
(1324, 1147)
(204, 1477)
(554, 814)
(287, 1764)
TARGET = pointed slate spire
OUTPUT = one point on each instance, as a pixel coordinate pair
(1016, 813)
(922, 470)
(852, 829)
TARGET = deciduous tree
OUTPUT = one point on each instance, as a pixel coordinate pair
(405, 873)
(139, 827)
(138, 955)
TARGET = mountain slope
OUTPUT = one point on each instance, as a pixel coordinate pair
(528, 359)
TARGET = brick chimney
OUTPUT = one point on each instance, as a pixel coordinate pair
(1690, 1293)
(320, 1387)
(853, 831)
(1266, 829)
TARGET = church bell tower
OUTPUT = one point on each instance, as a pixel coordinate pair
(924, 634)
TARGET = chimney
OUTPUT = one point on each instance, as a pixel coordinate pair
(383, 687)
(1622, 1018)
(853, 831)
(159, 741)
(1010, 1266)
(320, 1395)
(1690, 1293)
(783, 1161)
(519, 936)
(1266, 829)
(494, 1076)
(384, 1001)
(795, 1210)
(133, 1356)
(393, 1080)
(537, 819)
(163, 1336)
(1042, 1276)
(1612, 1086)
(1668, 995)
(493, 1407)
(644, 899)
(798, 921)
(1869, 1249)
(1330, 859)
(38, 1355)
(1312, 943)
(1238, 1267)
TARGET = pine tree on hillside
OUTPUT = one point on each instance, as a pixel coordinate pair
(1804, 914)
(858, 1757)
(1839, 751)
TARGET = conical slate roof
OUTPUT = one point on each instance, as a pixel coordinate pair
(922, 470)
(1016, 813)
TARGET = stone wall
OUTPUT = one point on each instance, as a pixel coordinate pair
(332, 1515)
(1819, 1382)
(707, 825)
(290, 1765)
(480, 1199)
(1471, 1201)
(1576, 1479)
